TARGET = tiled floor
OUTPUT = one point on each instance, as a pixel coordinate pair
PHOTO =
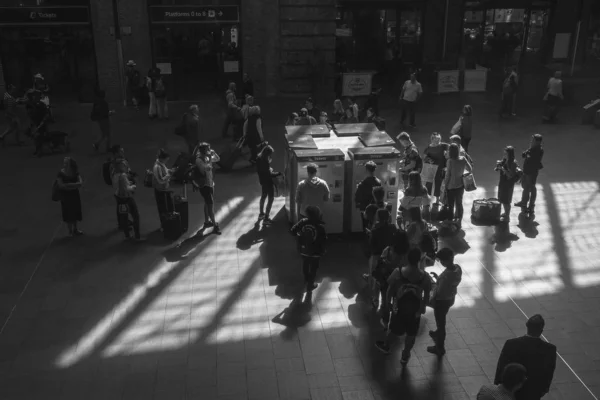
(223, 318)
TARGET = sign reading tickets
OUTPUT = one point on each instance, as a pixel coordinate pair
(475, 80)
(44, 15)
(194, 14)
(447, 81)
(357, 84)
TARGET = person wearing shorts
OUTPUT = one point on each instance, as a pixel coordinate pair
(204, 183)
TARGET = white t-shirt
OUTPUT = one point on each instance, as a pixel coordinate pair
(411, 90)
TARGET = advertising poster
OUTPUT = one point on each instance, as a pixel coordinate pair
(447, 81)
(357, 84)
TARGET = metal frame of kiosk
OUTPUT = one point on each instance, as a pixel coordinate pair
(332, 170)
(316, 131)
(343, 130)
(387, 159)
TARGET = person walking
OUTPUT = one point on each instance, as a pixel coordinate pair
(151, 87)
(515, 74)
(203, 181)
(12, 116)
(101, 114)
(69, 182)
(409, 96)
(265, 178)
(132, 84)
(455, 188)
(312, 191)
(253, 132)
(161, 178)
(509, 88)
(509, 175)
(126, 204)
(363, 196)
(531, 168)
(409, 289)
(464, 127)
(435, 153)
(535, 354)
(160, 93)
(553, 98)
(380, 236)
(444, 294)
(311, 236)
(514, 377)
(193, 127)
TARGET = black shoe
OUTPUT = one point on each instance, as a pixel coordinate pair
(216, 230)
(404, 359)
(207, 225)
(412, 126)
(261, 216)
(521, 205)
(381, 346)
(267, 221)
(436, 350)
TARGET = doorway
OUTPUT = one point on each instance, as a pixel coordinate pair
(65, 55)
(199, 56)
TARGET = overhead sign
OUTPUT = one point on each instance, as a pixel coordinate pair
(194, 14)
(447, 81)
(44, 15)
(357, 84)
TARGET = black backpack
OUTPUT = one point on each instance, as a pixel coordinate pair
(106, 175)
(309, 240)
(408, 298)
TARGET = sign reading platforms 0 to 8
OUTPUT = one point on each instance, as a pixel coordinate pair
(194, 14)
(44, 15)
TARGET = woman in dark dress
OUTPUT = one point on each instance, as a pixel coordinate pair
(69, 182)
(435, 154)
(508, 169)
(265, 178)
(253, 132)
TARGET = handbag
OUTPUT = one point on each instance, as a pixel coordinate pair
(469, 182)
(428, 172)
(148, 178)
(56, 191)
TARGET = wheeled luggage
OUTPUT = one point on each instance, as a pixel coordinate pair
(486, 211)
(183, 209)
(230, 155)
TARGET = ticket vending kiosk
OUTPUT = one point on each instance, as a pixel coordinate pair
(343, 130)
(387, 160)
(331, 170)
(315, 131)
(294, 141)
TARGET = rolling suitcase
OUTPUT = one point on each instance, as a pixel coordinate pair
(486, 211)
(182, 208)
(230, 155)
(172, 226)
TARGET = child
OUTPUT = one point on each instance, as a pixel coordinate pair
(311, 235)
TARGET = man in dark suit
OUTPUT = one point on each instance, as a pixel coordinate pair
(535, 354)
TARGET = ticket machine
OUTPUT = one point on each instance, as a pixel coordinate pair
(331, 170)
(387, 159)
(343, 130)
(315, 131)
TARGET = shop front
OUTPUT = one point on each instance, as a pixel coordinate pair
(55, 41)
(499, 37)
(197, 47)
(380, 36)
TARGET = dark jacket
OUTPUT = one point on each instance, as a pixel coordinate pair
(100, 110)
(537, 356)
(316, 229)
(533, 160)
(364, 192)
(381, 237)
(265, 173)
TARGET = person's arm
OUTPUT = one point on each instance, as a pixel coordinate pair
(468, 166)
(551, 367)
(448, 173)
(296, 228)
(503, 360)
(259, 129)
(245, 129)
(326, 193)
(426, 293)
(402, 91)
(214, 157)
(419, 92)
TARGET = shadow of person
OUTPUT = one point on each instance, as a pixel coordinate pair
(253, 236)
(179, 252)
(294, 316)
(528, 227)
(503, 237)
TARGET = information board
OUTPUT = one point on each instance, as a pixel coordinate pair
(357, 84)
(475, 80)
(447, 81)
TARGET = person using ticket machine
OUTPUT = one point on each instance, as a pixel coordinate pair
(312, 191)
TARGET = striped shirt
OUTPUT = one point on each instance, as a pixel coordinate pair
(10, 103)
(494, 392)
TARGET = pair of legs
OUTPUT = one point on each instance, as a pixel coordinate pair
(455, 203)
(152, 106)
(310, 265)
(506, 105)
(268, 194)
(164, 203)
(162, 108)
(410, 329)
(132, 97)
(440, 312)
(73, 229)
(208, 193)
(529, 195)
(464, 142)
(408, 107)
(125, 208)
(104, 125)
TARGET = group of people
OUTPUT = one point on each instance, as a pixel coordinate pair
(153, 84)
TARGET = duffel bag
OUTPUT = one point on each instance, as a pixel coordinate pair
(486, 211)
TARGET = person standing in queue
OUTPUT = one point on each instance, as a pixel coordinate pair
(265, 178)
(509, 175)
(161, 177)
(531, 168)
(312, 236)
(69, 182)
(412, 159)
(455, 188)
(101, 114)
(312, 191)
(203, 182)
(193, 128)
(364, 190)
(435, 154)
(126, 204)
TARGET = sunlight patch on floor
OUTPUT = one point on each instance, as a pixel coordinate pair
(147, 325)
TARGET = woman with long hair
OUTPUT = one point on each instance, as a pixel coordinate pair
(292, 119)
(455, 188)
(416, 228)
(508, 169)
(435, 154)
(69, 181)
(464, 127)
(338, 111)
(203, 181)
(253, 131)
(265, 178)
(415, 196)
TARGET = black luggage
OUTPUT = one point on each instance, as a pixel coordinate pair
(230, 155)
(182, 208)
(172, 228)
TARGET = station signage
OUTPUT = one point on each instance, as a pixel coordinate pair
(44, 15)
(194, 14)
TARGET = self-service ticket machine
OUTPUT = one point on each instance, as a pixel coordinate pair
(331, 170)
(387, 159)
(343, 130)
(295, 140)
(315, 131)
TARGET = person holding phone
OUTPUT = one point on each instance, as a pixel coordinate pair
(203, 182)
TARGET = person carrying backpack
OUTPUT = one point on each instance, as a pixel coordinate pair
(379, 203)
(408, 291)
(312, 236)
(412, 159)
(364, 190)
